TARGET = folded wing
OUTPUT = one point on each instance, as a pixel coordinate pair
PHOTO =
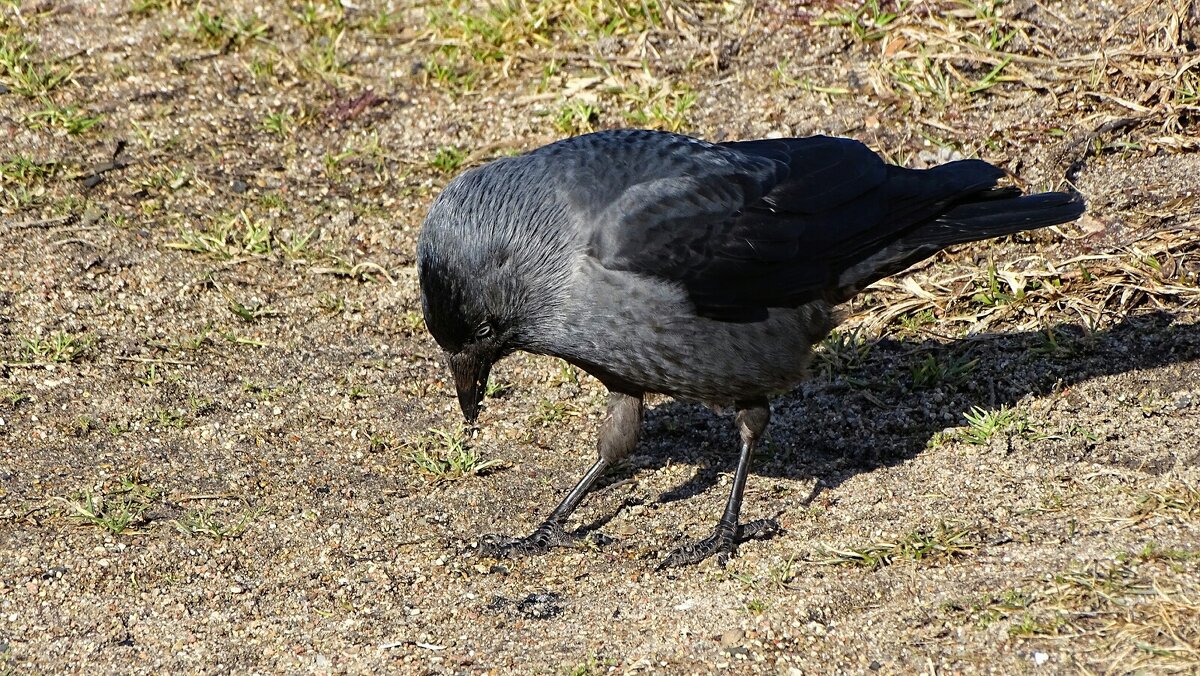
(751, 225)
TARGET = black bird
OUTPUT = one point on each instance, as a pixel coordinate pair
(661, 263)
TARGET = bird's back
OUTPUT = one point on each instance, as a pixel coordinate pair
(708, 270)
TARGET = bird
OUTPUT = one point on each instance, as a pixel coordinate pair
(661, 263)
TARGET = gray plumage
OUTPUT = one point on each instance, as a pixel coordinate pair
(661, 263)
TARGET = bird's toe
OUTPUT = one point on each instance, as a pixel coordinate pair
(759, 529)
(722, 543)
(547, 536)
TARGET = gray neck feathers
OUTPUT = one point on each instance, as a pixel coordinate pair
(510, 229)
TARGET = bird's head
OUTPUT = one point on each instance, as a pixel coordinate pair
(474, 333)
(483, 291)
(470, 314)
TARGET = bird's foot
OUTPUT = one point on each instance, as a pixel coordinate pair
(547, 536)
(723, 543)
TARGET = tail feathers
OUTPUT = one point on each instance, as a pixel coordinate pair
(996, 217)
(993, 213)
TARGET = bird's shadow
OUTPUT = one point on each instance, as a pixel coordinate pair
(896, 396)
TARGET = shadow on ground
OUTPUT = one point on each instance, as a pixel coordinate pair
(889, 407)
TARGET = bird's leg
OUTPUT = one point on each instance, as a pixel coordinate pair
(752, 419)
(618, 436)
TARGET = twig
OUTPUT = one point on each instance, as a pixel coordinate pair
(397, 644)
(210, 496)
(1119, 124)
(1135, 107)
(355, 271)
(18, 517)
(147, 360)
(43, 222)
(75, 240)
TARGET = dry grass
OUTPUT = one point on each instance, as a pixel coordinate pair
(1139, 612)
(948, 50)
(1178, 500)
(1140, 86)
(1094, 290)
(581, 87)
(941, 544)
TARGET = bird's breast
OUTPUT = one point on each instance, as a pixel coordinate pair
(642, 333)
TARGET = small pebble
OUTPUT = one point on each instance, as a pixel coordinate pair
(732, 637)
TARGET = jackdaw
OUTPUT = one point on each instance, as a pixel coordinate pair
(705, 271)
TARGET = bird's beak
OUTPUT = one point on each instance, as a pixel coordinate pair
(470, 379)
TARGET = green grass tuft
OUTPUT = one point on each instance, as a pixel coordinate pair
(446, 455)
(982, 425)
(448, 159)
(59, 347)
(116, 511)
(943, 543)
(205, 523)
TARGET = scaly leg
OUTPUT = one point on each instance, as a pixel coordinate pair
(619, 434)
(752, 419)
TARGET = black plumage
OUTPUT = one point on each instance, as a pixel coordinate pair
(662, 263)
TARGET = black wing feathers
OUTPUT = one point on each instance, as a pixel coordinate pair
(821, 170)
(750, 225)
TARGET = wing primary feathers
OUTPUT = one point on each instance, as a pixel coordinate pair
(745, 226)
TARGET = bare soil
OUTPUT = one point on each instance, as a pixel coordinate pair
(216, 383)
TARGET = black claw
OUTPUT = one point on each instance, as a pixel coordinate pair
(759, 529)
(722, 543)
(547, 536)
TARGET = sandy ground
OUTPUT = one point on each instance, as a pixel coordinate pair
(216, 382)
